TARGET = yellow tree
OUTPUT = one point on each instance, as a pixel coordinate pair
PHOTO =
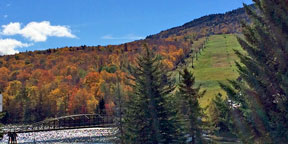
(11, 106)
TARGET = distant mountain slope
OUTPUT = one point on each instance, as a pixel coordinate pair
(229, 22)
(72, 80)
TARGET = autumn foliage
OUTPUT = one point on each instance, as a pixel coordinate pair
(72, 80)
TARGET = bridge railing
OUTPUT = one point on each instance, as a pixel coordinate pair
(66, 122)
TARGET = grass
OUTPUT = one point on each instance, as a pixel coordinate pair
(215, 64)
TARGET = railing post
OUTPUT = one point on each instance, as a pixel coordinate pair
(79, 121)
(90, 118)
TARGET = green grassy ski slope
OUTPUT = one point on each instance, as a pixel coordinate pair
(215, 64)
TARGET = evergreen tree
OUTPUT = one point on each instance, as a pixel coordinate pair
(150, 116)
(262, 94)
(219, 115)
(193, 111)
(119, 109)
(101, 107)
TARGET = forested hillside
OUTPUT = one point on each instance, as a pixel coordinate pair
(230, 22)
(71, 80)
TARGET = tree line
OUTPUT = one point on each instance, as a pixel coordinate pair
(256, 107)
(150, 108)
(154, 112)
(72, 80)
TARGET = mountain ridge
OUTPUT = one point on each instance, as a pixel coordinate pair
(195, 26)
(72, 80)
(235, 16)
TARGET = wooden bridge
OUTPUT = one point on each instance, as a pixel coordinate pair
(62, 123)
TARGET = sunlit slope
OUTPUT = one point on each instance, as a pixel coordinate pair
(216, 64)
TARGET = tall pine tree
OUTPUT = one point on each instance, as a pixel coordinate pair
(262, 94)
(193, 112)
(119, 101)
(150, 116)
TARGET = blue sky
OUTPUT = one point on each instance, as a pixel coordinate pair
(38, 24)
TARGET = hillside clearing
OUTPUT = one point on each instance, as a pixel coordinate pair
(216, 63)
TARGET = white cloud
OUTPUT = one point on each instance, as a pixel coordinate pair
(107, 37)
(8, 46)
(11, 29)
(37, 31)
(126, 37)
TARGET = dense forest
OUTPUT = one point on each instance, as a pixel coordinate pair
(71, 80)
(133, 82)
